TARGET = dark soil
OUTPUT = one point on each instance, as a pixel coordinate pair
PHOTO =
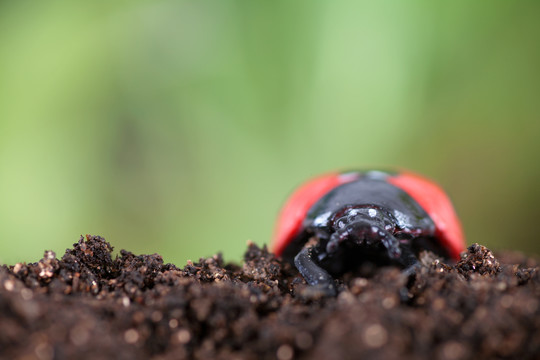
(89, 305)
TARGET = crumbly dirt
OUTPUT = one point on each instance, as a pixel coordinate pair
(90, 305)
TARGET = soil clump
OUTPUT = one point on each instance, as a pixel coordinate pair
(91, 305)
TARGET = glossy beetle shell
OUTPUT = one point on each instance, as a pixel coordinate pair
(428, 195)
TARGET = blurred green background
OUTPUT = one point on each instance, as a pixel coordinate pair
(180, 127)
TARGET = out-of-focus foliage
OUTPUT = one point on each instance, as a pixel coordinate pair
(180, 127)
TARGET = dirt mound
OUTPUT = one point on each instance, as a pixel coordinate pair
(91, 305)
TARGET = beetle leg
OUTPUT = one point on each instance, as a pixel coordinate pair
(315, 275)
(408, 260)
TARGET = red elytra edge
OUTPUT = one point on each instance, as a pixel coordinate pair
(438, 206)
(295, 209)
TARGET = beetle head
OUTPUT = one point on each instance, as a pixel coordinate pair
(363, 225)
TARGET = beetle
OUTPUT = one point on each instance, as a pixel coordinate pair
(339, 220)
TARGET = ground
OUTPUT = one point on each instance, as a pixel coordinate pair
(89, 305)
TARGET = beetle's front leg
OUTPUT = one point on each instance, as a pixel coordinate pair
(316, 276)
(408, 260)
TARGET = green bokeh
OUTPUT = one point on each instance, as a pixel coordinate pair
(180, 127)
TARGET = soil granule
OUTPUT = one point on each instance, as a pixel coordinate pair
(91, 305)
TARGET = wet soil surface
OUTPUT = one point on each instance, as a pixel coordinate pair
(91, 305)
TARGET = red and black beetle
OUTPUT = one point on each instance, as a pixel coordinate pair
(339, 220)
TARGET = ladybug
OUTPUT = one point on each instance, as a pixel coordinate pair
(340, 220)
